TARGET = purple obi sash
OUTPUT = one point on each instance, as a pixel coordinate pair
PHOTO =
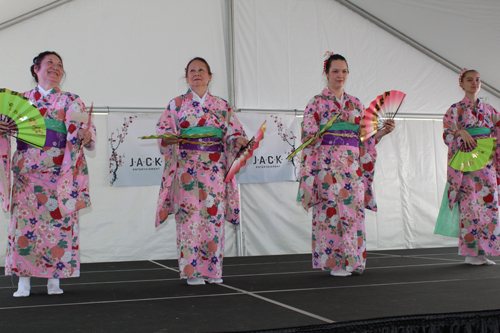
(481, 136)
(53, 139)
(206, 144)
(340, 138)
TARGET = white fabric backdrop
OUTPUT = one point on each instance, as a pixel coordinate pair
(128, 53)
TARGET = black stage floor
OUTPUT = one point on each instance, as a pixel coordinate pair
(260, 292)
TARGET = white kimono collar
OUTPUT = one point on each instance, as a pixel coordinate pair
(43, 91)
(198, 99)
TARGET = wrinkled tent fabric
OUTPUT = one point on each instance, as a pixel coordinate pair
(445, 26)
(132, 54)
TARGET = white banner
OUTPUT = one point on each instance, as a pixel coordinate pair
(132, 161)
(269, 163)
(136, 162)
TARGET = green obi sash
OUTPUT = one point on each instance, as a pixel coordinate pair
(56, 125)
(341, 126)
(200, 131)
(478, 130)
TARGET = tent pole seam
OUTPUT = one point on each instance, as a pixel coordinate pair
(32, 13)
(230, 37)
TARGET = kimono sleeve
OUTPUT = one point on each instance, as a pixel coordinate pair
(167, 124)
(451, 124)
(311, 118)
(368, 159)
(5, 172)
(78, 118)
(450, 127)
(495, 117)
(309, 191)
(233, 131)
(74, 172)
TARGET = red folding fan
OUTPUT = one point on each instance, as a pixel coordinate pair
(384, 107)
(245, 153)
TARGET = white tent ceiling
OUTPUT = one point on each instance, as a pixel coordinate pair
(466, 33)
(279, 47)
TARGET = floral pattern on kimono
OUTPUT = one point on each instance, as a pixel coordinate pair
(336, 181)
(193, 186)
(475, 192)
(46, 196)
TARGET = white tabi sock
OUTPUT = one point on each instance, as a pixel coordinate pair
(196, 281)
(340, 272)
(214, 280)
(53, 287)
(476, 261)
(23, 287)
(488, 261)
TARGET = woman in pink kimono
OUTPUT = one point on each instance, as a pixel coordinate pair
(47, 191)
(336, 174)
(193, 186)
(476, 193)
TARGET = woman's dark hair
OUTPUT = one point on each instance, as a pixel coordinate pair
(200, 59)
(38, 60)
(328, 62)
(464, 73)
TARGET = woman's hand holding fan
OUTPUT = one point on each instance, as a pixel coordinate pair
(240, 142)
(468, 141)
(84, 136)
(6, 127)
(170, 140)
(389, 125)
(313, 137)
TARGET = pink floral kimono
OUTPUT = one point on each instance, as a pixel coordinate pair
(193, 186)
(46, 192)
(336, 181)
(475, 192)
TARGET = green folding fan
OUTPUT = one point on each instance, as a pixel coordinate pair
(24, 121)
(476, 159)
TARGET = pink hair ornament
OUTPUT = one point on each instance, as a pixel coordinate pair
(328, 54)
(462, 75)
